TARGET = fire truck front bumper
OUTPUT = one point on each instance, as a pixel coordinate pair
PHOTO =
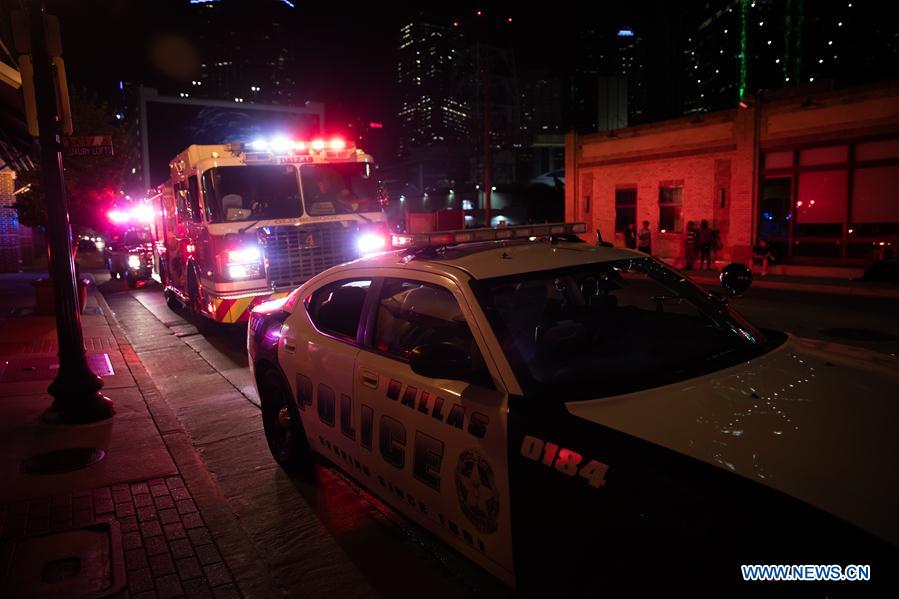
(231, 309)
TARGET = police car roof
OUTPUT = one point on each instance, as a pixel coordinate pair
(488, 259)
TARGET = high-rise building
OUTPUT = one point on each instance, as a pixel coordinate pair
(738, 47)
(238, 55)
(607, 85)
(433, 61)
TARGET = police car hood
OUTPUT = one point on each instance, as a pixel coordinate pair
(817, 421)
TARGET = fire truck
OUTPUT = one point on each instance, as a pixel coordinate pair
(242, 223)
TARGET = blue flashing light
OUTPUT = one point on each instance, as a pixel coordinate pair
(288, 3)
(626, 32)
(121, 85)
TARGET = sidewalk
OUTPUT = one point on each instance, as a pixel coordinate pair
(145, 519)
(822, 285)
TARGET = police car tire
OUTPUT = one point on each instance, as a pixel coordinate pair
(281, 422)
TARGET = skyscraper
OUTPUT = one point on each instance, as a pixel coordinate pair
(432, 63)
(738, 47)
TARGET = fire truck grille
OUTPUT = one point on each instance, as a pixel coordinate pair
(294, 255)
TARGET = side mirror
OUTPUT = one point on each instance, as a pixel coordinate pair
(441, 361)
(736, 278)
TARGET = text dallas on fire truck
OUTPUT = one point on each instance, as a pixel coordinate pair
(238, 224)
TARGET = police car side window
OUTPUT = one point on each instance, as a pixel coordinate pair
(411, 314)
(335, 309)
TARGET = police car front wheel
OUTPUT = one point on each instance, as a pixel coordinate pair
(281, 421)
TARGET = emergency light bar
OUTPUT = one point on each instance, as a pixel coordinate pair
(282, 145)
(419, 240)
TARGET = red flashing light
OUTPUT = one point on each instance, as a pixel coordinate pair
(480, 13)
(374, 125)
(318, 144)
(509, 20)
(455, 23)
(337, 144)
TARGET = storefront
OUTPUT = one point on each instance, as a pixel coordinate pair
(815, 174)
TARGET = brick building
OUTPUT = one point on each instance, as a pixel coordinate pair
(815, 172)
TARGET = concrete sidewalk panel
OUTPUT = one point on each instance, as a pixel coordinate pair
(132, 443)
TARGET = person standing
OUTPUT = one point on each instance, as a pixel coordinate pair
(705, 239)
(690, 245)
(644, 239)
(630, 236)
(762, 254)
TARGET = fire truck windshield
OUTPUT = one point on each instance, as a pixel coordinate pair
(255, 192)
(138, 236)
(339, 188)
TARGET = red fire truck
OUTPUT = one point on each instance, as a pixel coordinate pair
(241, 223)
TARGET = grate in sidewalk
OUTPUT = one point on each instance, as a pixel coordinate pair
(80, 562)
(168, 550)
(15, 370)
(48, 346)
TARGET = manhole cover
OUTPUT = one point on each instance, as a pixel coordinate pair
(62, 460)
(859, 334)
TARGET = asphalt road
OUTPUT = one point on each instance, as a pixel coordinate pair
(325, 537)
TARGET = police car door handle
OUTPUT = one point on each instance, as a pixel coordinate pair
(369, 379)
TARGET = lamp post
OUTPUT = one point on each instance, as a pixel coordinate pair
(76, 389)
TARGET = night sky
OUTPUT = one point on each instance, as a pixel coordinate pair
(351, 63)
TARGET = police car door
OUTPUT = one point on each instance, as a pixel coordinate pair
(322, 352)
(435, 445)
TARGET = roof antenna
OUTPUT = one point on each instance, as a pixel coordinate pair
(600, 242)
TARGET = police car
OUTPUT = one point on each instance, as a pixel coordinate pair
(582, 417)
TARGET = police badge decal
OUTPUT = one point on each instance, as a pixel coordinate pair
(476, 488)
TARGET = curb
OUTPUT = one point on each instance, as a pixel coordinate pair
(238, 550)
(812, 288)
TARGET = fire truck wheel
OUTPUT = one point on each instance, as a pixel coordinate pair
(132, 282)
(281, 421)
(172, 300)
(205, 325)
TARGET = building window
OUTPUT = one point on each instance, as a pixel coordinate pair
(671, 202)
(875, 211)
(836, 202)
(625, 208)
(775, 214)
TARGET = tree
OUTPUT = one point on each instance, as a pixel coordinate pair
(93, 183)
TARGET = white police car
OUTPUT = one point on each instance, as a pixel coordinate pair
(579, 417)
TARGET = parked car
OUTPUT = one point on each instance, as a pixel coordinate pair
(578, 418)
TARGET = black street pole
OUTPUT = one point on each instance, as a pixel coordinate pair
(76, 390)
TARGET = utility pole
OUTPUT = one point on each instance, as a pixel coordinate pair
(488, 154)
(76, 389)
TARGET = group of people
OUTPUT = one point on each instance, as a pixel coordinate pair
(638, 240)
(702, 240)
(698, 241)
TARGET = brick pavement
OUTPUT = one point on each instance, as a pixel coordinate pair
(168, 549)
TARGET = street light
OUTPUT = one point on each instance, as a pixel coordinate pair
(75, 390)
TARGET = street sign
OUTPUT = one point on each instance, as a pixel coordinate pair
(87, 145)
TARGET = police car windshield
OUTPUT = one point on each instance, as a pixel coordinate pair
(251, 193)
(341, 188)
(612, 327)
